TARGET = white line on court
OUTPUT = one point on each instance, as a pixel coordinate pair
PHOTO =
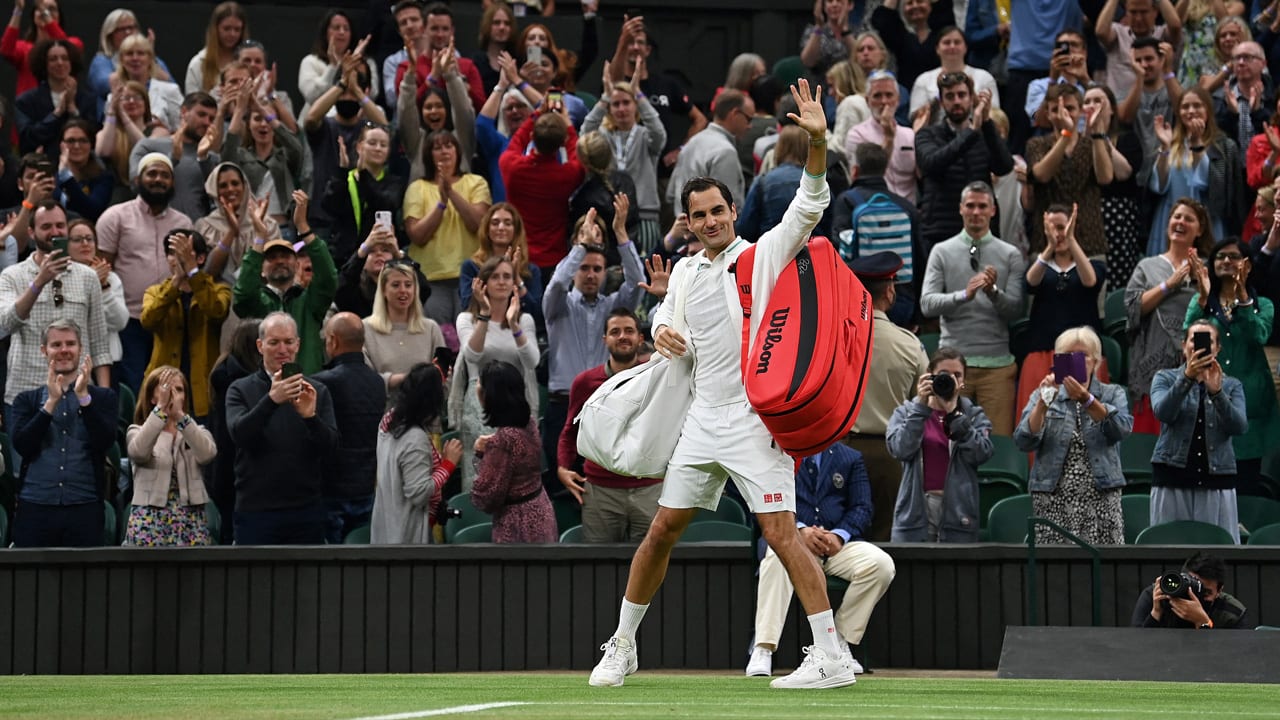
(442, 711)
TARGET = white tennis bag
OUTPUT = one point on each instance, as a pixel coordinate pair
(630, 425)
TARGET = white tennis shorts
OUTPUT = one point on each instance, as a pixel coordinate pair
(728, 441)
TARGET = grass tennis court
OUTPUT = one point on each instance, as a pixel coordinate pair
(565, 696)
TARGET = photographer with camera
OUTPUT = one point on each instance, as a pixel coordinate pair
(941, 438)
(1191, 598)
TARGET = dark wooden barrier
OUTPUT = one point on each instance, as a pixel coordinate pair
(354, 609)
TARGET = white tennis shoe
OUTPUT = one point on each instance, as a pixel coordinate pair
(618, 662)
(819, 670)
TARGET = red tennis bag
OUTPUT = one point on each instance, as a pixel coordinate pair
(806, 372)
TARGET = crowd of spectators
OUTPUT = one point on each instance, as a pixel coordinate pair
(449, 236)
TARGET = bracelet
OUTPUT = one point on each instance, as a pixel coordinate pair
(442, 205)
(298, 246)
(259, 241)
(192, 272)
(365, 99)
(184, 422)
(817, 141)
(84, 401)
(1089, 403)
(271, 117)
(1169, 76)
(482, 318)
(517, 333)
(111, 119)
(28, 204)
(501, 89)
(307, 234)
(1164, 287)
(1043, 262)
(522, 85)
(1163, 153)
(222, 245)
(1066, 133)
(35, 289)
(1100, 136)
(159, 412)
(1225, 69)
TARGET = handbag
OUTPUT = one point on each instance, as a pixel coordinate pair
(630, 425)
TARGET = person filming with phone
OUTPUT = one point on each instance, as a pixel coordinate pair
(1074, 424)
(1200, 408)
(1191, 598)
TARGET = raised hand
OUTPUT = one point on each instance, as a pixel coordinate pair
(1164, 132)
(621, 205)
(810, 116)
(1071, 222)
(305, 402)
(82, 379)
(344, 159)
(659, 276)
(479, 292)
(513, 312)
(300, 201)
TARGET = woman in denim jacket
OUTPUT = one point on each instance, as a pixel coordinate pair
(941, 443)
(1193, 468)
(1075, 431)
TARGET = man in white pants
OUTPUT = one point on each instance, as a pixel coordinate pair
(722, 436)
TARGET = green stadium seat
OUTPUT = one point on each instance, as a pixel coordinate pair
(1137, 515)
(568, 512)
(1135, 456)
(128, 401)
(1265, 535)
(1257, 512)
(991, 491)
(1136, 486)
(470, 516)
(930, 342)
(1008, 521)
(359, 536)
(729, 510)
(213, 519)
(482, 533)
(110, 528)
(716, 531)
(1113, 312)
(1184, 532)
(587, 98)
(572, 535)
(1117, 364)
(1007, 462)
(789, 69)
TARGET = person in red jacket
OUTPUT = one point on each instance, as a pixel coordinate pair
(540, 170)
(439, 22)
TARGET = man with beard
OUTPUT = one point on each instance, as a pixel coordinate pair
(44, 288)
(963, 148)
(131, 236)
(439, 33)
(615, 508)
(358, 280)
(191, 152)
(268, 282)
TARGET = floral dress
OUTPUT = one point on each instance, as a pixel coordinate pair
(1198, 54)
(1093, 515)
(174, 525)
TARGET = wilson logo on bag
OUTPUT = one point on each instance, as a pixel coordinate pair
(806, 372)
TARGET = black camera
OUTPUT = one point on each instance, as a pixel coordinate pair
(1180, 585)
(944, 384)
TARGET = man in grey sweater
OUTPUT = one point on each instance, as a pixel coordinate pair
(973, 282)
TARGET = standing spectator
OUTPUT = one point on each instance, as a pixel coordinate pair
(713, 152)
(439, 34)
(358, 279)
(240, 360)
(508, 482)
(1139, 21)
(506, 110)
(509, 339)
(771, 193)
(599, 191)
(41, 112)
(1066, 168)
(284, 431)
(897, 360)
(62, 432)
(442, 214)
(167, 449)
(1193, 468)
(1121, 212)
(497, 35)
(1069, 65)
(1075, 428)
(190, 152)
(951, 51)
(185, 314)
(359, 398)
(1243, 105)
(1266, 271)
(912, 34)
(84, 185)
(360, 189)
(25, 29)
(1156, 300)
(138, 63)
(1030, 57)
(120, 25)
(1261, 157)
(411, 25)
(397, 335)
(82, 247)
(1200, 22)
(1244, 321)
(322, 67)
(266, 150)
(615, 508)
(502, 234)
(128, 120)
(411, 472)
(963, 148)
(882, 129)
(829, 39)
(131, 236)
(230, 223)
(228, 27)
(872, 55)
(446, 108)
(1199, 162)
(539, 181)
(974, 283)
(847, 85)
(941, 438)
(1154, 93)
(570, 67)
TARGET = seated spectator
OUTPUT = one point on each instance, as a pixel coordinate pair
(168, 450)
(360, 189)
(1207, 609)
(1193, 468)
(540, 170)
(284, 431)
(56, 64)
(1121, 213)
(230, 223)
(128, 120)
(62, 432)
(82, 248)
(442, 214)
(599, 191)
(358, 279)
(833, 515)
(119, 25)
(829, 39)
(411, 472)
(497, 36)
(39, 21)
(1065, 168)
(228, 27)
(508, 483)
(446, 109)
(322, 67)
(912, 34)
(266, 150)
(1244, 320)
(501, 234)
(1249, 89)
(397, 334)
(941, 438)
(1156, 300)
(1181, 170)
(1139, 21)
(951, 51)
(185, 313)
(1063, 284)
(84, 185)
(1075, 429)
(138, 64)
(510, 339)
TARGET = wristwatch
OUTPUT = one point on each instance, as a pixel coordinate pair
(1206, 625)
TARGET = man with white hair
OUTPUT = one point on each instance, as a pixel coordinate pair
(1243, 105)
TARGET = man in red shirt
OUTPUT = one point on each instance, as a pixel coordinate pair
(439, 21)
(540, 170)
(615, 508)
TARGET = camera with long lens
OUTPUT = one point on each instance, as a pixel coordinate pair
(1180, 585)
(944, 384)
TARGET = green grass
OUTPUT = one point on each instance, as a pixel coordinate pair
(565, 696)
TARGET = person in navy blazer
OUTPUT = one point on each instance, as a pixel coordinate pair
(833, 514)
(56, 64)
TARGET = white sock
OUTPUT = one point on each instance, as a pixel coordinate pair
(629, 620)
(824, 632)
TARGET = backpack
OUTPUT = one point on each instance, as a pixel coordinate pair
(806, 372)
(878, 224)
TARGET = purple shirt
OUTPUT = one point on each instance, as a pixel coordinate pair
(936, 451)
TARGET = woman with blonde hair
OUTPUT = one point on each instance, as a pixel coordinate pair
(602, 184)
(847, 84)
(167, 449)
(398, 334)
(137, 63)
(119, 25)
(501, 234)
(228, 27)
(1198, 57)
(128, 120)
(1230, 31)
(1074, 426)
